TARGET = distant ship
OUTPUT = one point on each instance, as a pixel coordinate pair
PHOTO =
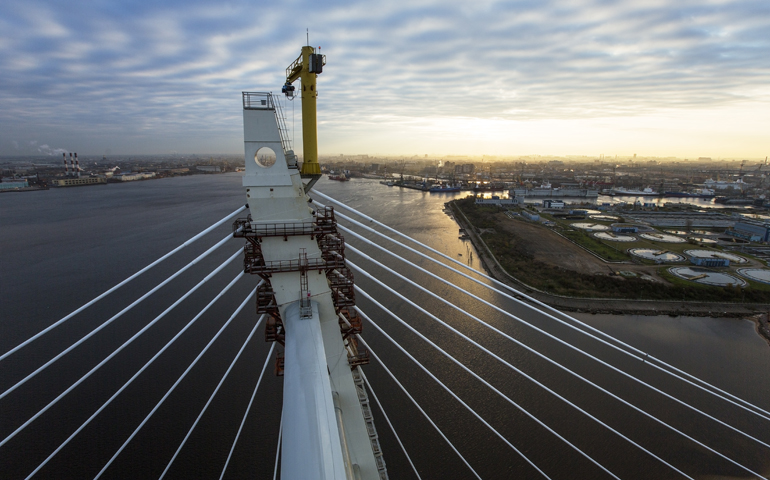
(624, 192)
(340, 178)
(444, 189)
(546, 190)
(703, 193)
(739, 201)
(489, 187)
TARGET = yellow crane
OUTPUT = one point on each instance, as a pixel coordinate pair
(305, 68)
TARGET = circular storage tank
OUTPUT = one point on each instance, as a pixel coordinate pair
(713, 254)
(705, 276)
(605, 218)
(761, 275)
(615, 237)
(662, 237)
(587, 210)
(709, 241)
(676, 232)
(590, 226)
(656, 255)
(732, 240)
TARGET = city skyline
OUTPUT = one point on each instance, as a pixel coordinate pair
(501, 78)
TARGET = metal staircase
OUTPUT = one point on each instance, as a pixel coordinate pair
(374, 439)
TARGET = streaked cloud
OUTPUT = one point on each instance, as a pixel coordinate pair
(401, 77)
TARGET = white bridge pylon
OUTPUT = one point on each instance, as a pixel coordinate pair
(324, 433)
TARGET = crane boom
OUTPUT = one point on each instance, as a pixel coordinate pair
(305, 68)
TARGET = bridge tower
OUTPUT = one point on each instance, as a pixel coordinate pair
(328, 431)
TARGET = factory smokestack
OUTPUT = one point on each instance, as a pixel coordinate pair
(66, 168)
(77, 164)
(72, 165)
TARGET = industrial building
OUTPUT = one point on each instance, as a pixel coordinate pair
(466, 168)
(553, 204)
(624, 228)
(72, 174)
(128, 177)
(710, 261)
(14, 184)
(77, 182)
(753, 232)
(682, 219)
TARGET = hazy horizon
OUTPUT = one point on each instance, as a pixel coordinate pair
(687, 80)
(533, 158)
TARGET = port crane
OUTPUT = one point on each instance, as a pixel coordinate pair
(306, 68)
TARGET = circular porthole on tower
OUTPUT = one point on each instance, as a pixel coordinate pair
(265, 157)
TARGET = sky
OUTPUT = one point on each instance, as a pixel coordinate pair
(572, 77)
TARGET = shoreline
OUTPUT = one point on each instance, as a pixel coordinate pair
(611, 306)
(762, 325)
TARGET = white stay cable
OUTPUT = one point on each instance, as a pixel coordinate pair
(116, 316)
(125, 344)
(208, 402)
(518, 319)
(392, 428)
(171, 389)
(75, 312)
(427, 417)
(477, 377)
(644, 356)
(278, 448)
(490, 353)
(248, 408)
(147, 364)
(514, 368)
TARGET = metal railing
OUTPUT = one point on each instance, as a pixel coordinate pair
(252, 265)
(267, 101)
(258, 101)
(245, 228)
(282, 129)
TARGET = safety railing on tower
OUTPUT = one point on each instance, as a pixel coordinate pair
(258, 101)
(266, 101)
(288, 150)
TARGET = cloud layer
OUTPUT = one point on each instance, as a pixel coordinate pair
(419, 76)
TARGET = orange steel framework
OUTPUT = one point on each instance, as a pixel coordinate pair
(332, 262)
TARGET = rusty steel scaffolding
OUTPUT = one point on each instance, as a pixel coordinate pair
(332, 262)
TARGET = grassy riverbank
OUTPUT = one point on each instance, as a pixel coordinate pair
(512, 243)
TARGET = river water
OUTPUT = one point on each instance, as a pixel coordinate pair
(60, 248)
